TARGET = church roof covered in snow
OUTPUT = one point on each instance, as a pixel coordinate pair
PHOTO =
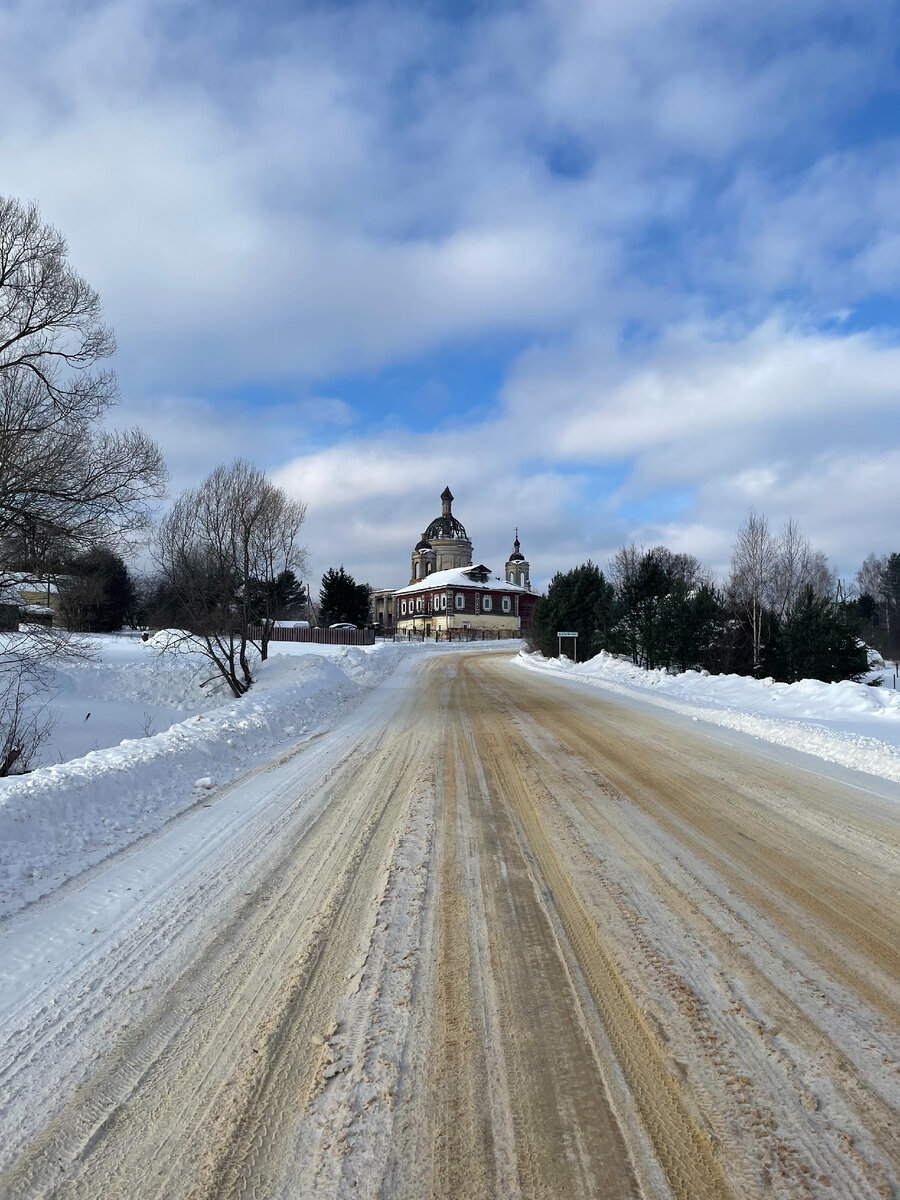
(469, 577)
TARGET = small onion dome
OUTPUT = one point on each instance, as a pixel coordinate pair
(423, 545)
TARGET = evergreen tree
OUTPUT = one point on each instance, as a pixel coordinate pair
(96, 593)
(694, 625)
(341, 598)
(281, 598)
(890, 591)
(815, 642)
(645, 612)
(581, 600)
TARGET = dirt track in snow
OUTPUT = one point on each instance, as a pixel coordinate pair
(511, 939)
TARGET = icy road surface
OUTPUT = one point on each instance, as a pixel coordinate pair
(495, 935)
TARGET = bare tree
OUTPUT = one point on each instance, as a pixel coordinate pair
(27, 659)
(752, 563)
(870, 575)
(797, 567)
(681, 566)
(214, 549)
(65, 482)
(624, 565)
(51, 326)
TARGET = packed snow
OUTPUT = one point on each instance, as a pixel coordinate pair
(848, 723)
(143, 733)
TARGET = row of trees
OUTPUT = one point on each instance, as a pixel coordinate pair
(778, 614)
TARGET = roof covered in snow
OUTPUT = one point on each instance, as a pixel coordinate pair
(461, 577)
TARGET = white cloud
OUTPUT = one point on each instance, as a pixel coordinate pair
(789, 422)
(364, 184)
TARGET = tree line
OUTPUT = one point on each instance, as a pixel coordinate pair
(780, 613)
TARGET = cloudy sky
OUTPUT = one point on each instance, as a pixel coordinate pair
(613, 271)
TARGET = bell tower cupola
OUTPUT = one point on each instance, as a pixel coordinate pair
(517, 566)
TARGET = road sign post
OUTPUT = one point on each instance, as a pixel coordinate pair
(564, 634)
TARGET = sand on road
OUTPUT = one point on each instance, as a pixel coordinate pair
(513, 939)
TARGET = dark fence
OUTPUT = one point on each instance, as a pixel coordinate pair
(458, 635)
(321, 637)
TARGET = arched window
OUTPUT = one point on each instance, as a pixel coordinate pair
(416, 570)
(486, 603)
(507, 604)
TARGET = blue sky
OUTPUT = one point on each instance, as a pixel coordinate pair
(613, 272)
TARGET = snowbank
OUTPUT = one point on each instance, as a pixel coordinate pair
(67, 815)
(846, 723)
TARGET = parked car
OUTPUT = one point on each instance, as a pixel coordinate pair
(342, 625)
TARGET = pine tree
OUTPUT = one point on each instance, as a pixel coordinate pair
(341, 598)
(96, 593)
(815, 642)
(581, 600)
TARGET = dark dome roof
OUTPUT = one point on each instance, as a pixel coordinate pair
(517, 558)
(423, 545)
(446, 526)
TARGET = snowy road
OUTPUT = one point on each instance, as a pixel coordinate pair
(495, 935)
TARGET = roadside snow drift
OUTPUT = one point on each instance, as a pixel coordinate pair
(66, 816)
(847, 723)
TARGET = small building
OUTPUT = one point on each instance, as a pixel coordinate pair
(39, 597)
(381, 609)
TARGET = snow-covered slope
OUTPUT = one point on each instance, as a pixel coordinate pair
(847, 723)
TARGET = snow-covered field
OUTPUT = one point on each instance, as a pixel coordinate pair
(848, 723)
(141, 735)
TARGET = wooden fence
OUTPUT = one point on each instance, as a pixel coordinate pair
(458, 635)
(320, 637)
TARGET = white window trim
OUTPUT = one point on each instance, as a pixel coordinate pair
(460, 601)
(506, 604)
(486, 604)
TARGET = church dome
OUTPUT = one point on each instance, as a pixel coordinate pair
(423, 545)
(446, 526)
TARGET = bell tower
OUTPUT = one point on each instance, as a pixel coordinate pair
(517, 567)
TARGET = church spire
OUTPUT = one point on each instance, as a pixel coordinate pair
(517, 567)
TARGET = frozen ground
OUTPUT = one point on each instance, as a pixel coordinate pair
(848, 723)
(142, 735)
(493, 934)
